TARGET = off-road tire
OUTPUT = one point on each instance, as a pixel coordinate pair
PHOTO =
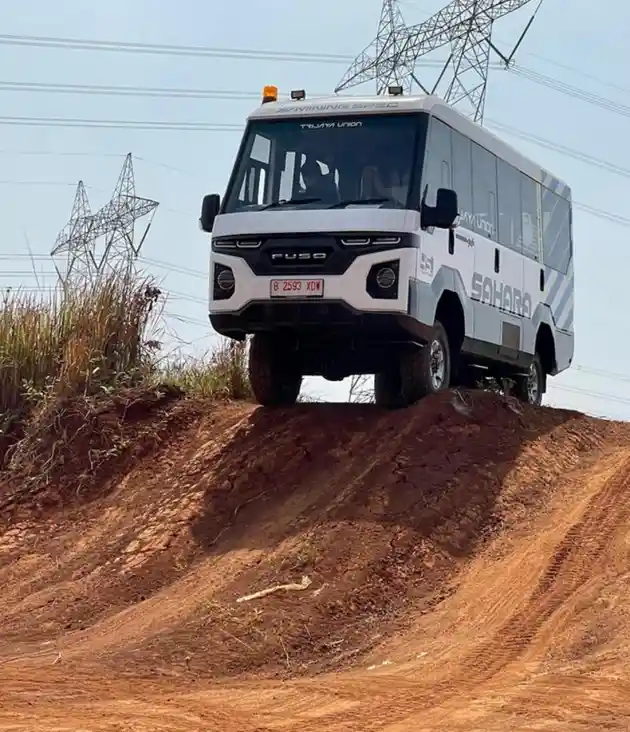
(523, 386)
(416, 370)
(274, 375)
(387, 389)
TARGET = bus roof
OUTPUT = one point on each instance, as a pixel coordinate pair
(337, 105)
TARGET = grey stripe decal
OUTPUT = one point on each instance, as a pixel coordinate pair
(568, 322)
(566, 298)
(554, 289)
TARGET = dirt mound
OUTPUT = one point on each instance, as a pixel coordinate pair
(71, 448)
(403, 534)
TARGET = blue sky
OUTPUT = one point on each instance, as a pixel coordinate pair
(582, 48)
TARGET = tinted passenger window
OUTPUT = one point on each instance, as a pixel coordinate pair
(484, 171)
(437, 165)
(530, 191)
(556, 213)
(462, 177)
(509, 197)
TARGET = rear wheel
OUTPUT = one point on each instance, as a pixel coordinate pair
(530, 388)
(274, 372)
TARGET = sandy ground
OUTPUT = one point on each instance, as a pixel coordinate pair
(450, 571)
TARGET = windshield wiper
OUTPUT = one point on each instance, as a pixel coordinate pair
(290, 201)
(354, 201)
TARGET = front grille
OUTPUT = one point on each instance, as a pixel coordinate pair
(307, 258)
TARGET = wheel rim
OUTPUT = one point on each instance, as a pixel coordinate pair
(533, 387)
(437, 365)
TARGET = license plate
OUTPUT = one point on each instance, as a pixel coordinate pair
(297, 288)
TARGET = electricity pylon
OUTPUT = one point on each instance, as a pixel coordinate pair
(114, 223)
(464, 25)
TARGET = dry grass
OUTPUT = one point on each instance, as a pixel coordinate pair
(96, 337)
(222, 374)
(89, 338)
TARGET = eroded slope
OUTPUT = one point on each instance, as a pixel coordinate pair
(382, 512)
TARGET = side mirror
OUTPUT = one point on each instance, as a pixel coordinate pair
(209, 211)
(446, 209)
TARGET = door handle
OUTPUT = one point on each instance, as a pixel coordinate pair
(496, 260)
(542, 279)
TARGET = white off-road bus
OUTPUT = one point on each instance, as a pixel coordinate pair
(389, 235)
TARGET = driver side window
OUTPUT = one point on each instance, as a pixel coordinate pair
(256, 181)
(437, 161)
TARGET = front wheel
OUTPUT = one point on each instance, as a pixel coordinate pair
(274, 373)
(427, 370)
(530, 388)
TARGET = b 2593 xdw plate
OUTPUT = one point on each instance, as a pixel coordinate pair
(296, 288)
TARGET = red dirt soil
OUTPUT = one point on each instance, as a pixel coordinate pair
(463, 571)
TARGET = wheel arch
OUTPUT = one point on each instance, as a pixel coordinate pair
(450, 312)
(546, 348)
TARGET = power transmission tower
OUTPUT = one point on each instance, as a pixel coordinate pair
(75, 239)
(114, 223)
(382, 59)
(464, 25)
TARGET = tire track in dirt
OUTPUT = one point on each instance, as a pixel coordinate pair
(569, 567)
(402, 701)
(597, 518)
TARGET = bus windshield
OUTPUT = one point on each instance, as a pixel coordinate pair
(325, 162)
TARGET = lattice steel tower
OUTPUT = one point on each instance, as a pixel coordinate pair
(464, 25)
(114, 224)
(75, 241)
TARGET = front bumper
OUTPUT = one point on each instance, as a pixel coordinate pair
(354, 287)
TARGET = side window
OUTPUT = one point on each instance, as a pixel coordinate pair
(437, 161)
(462, 178)
(530, 191)
(556, 213)
(484, 171)
(254, 185)
(509, 195)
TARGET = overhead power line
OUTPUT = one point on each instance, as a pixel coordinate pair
(86, 44)
(235, 94)
(161, 49)
(124, 91)
(167, 49)
(572, 91)
(230, 94)
(117, 124)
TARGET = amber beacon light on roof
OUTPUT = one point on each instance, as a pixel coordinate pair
(270, 94)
